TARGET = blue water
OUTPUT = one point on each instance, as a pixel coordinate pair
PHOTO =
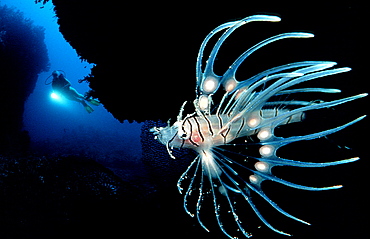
(65, 128)
(64, 122)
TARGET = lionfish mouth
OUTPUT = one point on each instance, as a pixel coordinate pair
(226, 170)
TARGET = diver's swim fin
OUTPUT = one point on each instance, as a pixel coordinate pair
(94, 102)
(88, 108)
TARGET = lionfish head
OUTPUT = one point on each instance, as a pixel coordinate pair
(165, 135)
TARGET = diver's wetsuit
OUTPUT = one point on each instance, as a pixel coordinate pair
(63, 86)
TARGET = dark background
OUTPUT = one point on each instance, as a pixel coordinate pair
(145, 69)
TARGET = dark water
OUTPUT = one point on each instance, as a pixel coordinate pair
(40, 202)
(85, 174)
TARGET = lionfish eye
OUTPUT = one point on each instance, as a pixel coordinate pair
(182, 134)
(246, 111)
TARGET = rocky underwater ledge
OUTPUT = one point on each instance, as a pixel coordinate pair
(58, 192)
(74, 197)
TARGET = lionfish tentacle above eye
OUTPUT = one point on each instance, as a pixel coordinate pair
(246, 109)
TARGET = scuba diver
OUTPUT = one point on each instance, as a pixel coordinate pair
(61, 85)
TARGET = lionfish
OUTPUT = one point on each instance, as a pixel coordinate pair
(217, 132)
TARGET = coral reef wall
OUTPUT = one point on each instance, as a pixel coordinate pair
(139, 57)
(23, 55)
(145, 52)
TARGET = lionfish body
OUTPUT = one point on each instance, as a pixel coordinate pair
(247, 108)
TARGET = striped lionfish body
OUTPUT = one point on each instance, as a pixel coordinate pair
(220, 133)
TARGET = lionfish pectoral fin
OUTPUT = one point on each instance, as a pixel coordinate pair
(169, 151)
(293, 185)
(215, 176)
(235, 187)
(287, 162)
(259, 215)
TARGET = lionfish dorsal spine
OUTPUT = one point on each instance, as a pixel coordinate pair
(233, 117)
